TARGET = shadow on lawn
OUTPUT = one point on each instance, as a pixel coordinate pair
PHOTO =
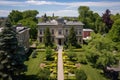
(29, 77)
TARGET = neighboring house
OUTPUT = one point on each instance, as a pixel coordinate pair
(86, 33)
(22, 36)
(60, 30)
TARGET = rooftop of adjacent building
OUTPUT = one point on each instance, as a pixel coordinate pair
(60, 21)
(18, 28)
(87, 30)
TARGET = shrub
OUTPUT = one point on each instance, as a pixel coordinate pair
(44, 74)
(49, 54)
(80, 75)
(72, 56)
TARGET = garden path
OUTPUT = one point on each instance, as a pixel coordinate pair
(60, 75)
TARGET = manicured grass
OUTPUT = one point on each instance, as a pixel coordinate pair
(92, 73)
(33, 64)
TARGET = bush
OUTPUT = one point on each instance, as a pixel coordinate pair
(72, 56)
(82, 59)
(44, 74)
(80, 75)
(49, 54)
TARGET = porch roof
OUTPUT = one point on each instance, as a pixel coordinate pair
(60, 36)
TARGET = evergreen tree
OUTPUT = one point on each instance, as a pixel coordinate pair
(47, 37)
(11, 61)
(72, 40)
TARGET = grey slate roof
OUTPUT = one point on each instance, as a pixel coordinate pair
(49, 23)
(54, 22)
(73, 23)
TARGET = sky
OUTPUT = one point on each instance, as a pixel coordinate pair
(58, 7)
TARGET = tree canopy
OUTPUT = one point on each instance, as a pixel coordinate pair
(90, 19)
(26, 18)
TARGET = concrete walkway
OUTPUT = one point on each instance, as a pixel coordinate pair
(60, 75)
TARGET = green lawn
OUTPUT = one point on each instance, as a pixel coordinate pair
(33, 63)
(92, 73)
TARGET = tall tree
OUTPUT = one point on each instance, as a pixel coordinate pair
(27, 18)
(72, 40)
(90, 19)
(47, 37)
(15, 16)
(114, 33)
(107, 20)
(11, 61)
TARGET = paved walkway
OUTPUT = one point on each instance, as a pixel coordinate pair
(60, 75)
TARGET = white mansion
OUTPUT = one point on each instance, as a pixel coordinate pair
(60, 30)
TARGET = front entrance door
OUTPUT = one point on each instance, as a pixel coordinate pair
(59, 41)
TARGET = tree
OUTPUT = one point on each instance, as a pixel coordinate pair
(48, 53)
(28, 22)
(72, 56)
(72, 40)
(83, 14)
(80, 75)
(30, 14)
(47, 38)
(15, 16)
(27, 18)
(114, 33)
(90, 19)
(107, 20)
(11, 61)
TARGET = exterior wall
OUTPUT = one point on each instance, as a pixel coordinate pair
(64, 32)
(23, 39)
(86, 34)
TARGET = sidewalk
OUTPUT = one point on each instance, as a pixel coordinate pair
(60, 75)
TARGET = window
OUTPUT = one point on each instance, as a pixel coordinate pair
(60, 32)
(52, 31)
(41, 31)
